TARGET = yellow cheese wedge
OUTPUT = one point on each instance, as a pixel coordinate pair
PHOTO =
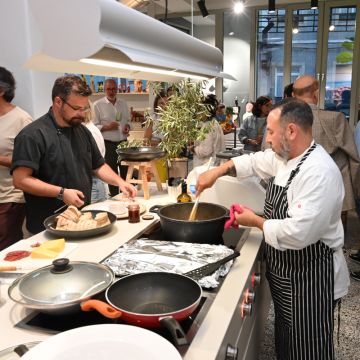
(43, 253)
(57, 245)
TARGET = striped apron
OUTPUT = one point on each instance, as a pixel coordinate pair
(301, 284)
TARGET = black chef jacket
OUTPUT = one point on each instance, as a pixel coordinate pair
(60, 156)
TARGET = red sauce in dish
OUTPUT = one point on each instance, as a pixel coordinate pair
(17, 255)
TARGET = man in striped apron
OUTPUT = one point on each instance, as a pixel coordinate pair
(305, 265)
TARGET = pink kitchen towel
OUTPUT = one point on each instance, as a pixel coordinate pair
(233, 208)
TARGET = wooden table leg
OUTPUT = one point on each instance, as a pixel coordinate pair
(156, 175)
(143, 177)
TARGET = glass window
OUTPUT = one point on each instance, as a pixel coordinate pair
(339, 59)
(304, 42)
(270, 53)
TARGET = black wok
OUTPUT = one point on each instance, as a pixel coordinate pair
(144, 153)
(206, 229)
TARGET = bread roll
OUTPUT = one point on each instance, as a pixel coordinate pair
(102, 219)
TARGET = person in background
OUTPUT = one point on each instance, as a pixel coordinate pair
(332, 131)
(302, 227)
(356, 256)
(221, 113)
(253, 127)
(288, 91)
(248, 110)
(55, 157)
(12, 204)
(344, 105)
(151, 134)
(112, 117)
(99, 190)
(214, 141)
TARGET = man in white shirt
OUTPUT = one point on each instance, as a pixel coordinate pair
(303, 232)
(112, 117)
(12, 202)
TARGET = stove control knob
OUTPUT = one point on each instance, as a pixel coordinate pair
(255, 279)
(245, 309)
(231, 352)
(249, 296)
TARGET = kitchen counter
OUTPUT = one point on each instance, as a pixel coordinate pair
(207, 341)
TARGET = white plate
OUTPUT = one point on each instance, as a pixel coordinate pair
(104, 342)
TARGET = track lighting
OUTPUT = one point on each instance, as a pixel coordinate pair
(202, 7)
(314, 4)
(271, 6)
(268, 27)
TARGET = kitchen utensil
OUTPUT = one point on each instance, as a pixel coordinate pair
(151, 299)
(144, 153)
(192, 216)
(207, 229)
(105, 341)
(155, 299)
(208, 269)
(50, 226)
(14, 268)
(60, 288)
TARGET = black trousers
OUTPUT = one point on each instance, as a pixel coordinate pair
(111, 158)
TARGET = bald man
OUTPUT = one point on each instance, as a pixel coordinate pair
(331, 130)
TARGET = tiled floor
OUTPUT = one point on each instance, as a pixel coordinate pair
(348, 347)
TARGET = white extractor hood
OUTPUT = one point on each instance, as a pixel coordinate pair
(104, 37)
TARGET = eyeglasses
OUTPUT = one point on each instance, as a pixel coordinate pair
(76, 108)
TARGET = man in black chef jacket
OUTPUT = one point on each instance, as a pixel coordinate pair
(55, 157)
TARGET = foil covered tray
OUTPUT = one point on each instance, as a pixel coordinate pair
(144, 255)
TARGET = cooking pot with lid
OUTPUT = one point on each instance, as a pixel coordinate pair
(61, 287)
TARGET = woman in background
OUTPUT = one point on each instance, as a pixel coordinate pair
(99, 190)
(151, 134)
(214, 141)
(253, 127)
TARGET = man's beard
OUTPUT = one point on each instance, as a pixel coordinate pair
(285, 148)
(73, 121)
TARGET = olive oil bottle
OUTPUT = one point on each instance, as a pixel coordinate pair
(184, 197)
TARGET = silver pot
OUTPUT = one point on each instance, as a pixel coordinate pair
(61, 287)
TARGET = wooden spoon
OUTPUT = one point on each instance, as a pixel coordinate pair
(192, 216)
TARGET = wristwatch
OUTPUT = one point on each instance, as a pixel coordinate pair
(60, 195)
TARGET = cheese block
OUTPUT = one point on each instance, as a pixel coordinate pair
(57, 245)
(43, 253)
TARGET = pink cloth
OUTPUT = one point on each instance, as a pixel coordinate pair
(233, 208)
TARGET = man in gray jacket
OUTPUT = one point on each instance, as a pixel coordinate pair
(332, 131)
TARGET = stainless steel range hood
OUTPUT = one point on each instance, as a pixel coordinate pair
(104, 37)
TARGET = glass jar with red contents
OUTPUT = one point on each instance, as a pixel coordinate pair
(134, 213)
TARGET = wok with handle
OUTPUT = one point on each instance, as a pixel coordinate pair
(156, 299)
(143, 153)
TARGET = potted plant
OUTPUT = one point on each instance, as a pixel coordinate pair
(180, 122)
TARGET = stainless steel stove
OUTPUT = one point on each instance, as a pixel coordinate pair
(249, 306)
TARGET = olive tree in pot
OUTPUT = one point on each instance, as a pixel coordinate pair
(180, 122)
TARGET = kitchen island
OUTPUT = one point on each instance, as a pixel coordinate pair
(223, 323)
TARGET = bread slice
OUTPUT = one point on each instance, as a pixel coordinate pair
(102, 219)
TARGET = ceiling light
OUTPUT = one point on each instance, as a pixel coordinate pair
(271, 6)
(113, 64)
(238, 7)
(202, 7)
(314, 4)
(331, 27)
(231, 33)
(295, 30)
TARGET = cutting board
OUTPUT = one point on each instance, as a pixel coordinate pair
(29, 263)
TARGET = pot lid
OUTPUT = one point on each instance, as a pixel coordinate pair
(64, 282)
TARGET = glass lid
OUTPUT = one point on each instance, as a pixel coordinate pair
(64, 281)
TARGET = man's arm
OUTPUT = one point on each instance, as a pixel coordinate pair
(5, 161)
(23, 180)
(106, 174)
(208, 178)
